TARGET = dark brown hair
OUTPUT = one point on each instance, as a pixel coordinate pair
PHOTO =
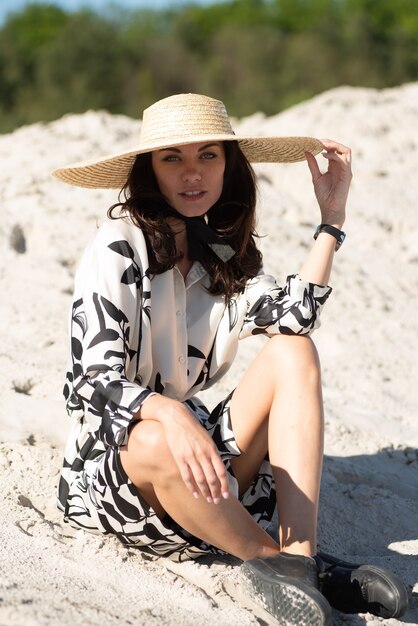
(232, 217)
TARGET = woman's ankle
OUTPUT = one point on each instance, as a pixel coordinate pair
(304, 548)
(262, 552)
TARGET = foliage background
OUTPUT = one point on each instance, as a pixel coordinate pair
(253, 54)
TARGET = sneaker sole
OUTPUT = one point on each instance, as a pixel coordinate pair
(292, 603)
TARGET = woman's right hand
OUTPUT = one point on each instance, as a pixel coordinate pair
(194, 451)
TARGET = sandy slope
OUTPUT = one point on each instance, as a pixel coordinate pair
(51, 574)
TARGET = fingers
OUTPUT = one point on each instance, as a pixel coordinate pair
(313, 166)
(188, 479)
(338, 176)
(206, 477)
(209, 483)
(222, 476)
(336, 151)
(333, 151)
(195, 454)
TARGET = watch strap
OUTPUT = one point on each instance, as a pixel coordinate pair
(331, 230)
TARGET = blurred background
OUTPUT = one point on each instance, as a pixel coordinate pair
(256, 55)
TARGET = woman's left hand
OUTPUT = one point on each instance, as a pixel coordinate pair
(331, 187)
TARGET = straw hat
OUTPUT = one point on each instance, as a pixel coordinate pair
(179, 120)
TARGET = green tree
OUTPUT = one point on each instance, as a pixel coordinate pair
(23, 39)
(387, 31)
(81, 69)
(254, 54)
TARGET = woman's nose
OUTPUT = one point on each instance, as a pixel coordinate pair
(191, 173)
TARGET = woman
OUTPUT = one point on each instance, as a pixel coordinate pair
(163, 294)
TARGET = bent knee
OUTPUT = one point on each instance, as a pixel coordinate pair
(295, 354)
(147, 447)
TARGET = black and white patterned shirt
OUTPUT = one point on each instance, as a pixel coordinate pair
(132, 335)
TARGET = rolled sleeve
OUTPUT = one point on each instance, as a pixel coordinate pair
(110, 401)
(290, 310)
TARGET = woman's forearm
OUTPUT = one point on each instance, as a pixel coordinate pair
(317, 267)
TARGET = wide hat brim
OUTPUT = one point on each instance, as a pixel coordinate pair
(112, 171)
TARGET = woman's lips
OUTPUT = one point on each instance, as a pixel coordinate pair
(192, 195)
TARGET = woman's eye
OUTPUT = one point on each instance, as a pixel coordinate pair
(171, 157)
(208, 155)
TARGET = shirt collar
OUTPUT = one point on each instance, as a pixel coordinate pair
(196, 273)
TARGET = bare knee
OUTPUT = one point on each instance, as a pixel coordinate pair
(147, 457)
(294, 355)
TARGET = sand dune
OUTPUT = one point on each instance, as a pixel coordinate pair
(51, 574)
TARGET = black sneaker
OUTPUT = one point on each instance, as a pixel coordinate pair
(354, 588)
(286, 586)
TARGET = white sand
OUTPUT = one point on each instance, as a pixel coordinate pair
(53, 575)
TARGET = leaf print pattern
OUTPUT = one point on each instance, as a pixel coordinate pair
(158, 385)
(107, 502)
(293, 310)
(132, 275)
(192, 351)
(128, 335)
(106, 333)
(232, 313)
(203, 376)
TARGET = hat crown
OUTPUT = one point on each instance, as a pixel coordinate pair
(183, 115)
(179, 120)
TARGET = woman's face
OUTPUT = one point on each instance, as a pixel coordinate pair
(190, 177)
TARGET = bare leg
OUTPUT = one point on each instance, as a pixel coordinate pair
(150, 465)
(277, 406)
(282, 388)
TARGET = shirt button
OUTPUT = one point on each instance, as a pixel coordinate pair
(178, 313)
(182, 360)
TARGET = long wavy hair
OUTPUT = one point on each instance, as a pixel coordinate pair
(232, 217)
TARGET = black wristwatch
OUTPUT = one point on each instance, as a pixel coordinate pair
(331, 230)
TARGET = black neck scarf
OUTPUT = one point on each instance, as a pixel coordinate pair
(201, 238)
